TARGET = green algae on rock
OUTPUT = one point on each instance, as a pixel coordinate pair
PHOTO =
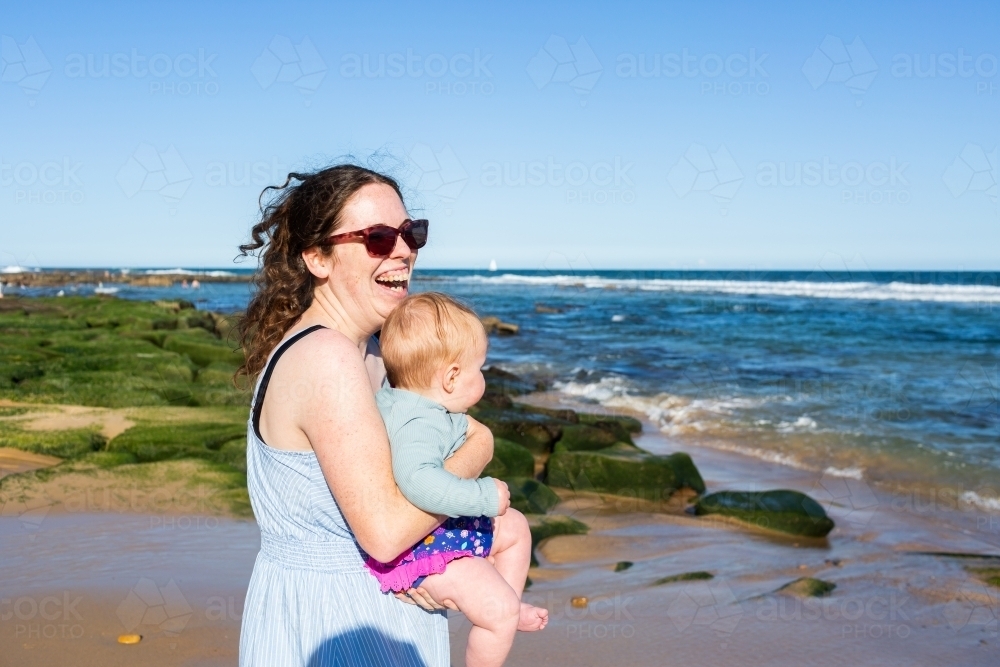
(623, 565)
(509, 460)
(581, 437)
(624, 470)
(782, 510)
(685, 576)
(544, 527)
(807, 587)
(529, 496)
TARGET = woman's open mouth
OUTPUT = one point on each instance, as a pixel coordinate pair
(397, 282)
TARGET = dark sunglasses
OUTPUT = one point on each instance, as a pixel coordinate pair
(381, 239)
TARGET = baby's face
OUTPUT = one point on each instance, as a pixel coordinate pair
(470, 383)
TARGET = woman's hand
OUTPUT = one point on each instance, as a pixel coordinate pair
(470, 459)
(420, 597)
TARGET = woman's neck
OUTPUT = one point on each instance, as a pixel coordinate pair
(326, 310)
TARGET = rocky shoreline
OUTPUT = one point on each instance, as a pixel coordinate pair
(67, 277)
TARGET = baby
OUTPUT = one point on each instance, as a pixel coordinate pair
(434, 349)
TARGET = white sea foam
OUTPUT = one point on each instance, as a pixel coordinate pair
(187, 272)
(870, 291)
(803, 423)
(973, 498)
(14, 269)
(852, 473)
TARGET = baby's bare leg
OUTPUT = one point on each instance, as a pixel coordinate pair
(489, 603)
(512, 556)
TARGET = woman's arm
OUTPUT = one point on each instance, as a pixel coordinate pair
(339, 417)
(472, 457)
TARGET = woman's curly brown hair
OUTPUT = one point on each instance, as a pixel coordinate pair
(298, 216)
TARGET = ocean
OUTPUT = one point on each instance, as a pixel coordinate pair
(890, 378)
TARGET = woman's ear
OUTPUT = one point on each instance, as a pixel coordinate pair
(316, 262)
(451, 378)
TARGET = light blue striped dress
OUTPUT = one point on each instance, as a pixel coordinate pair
(311, 602)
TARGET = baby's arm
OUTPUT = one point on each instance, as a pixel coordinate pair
(418, 466)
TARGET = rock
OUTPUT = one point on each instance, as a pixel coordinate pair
(783, 510)
(499, 381)
(580, 437)
(202, 354)
(566, 415)
(530, 496)
(536, 432)
(624, 470)
(129, 639)
(686, 576)
(547, 310)
(509, 460)
(550, 526)
(495, 325)
(579, 601)
(621, 426)
(807, 587)
(623, 565)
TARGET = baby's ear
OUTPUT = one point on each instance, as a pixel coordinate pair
(451, 377)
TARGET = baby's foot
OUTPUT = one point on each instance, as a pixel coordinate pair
(532, 618)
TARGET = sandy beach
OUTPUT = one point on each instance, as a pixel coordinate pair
(76, 580)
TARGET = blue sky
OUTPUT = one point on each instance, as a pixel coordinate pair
(569, 136)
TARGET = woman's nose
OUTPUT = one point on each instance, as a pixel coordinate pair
(400, 250)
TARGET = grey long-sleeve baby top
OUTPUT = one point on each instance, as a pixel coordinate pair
(422, 434)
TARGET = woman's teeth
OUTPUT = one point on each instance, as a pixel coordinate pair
(395, 283)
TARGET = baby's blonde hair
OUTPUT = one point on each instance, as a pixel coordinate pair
(424, 333)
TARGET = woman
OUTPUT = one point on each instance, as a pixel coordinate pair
(318, 466)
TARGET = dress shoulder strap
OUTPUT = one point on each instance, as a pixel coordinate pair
(258, 401)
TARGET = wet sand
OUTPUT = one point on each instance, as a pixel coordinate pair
(73, 582)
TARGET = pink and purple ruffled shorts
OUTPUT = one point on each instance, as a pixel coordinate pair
(455, 538)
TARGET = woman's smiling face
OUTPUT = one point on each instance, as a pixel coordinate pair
(370, 288)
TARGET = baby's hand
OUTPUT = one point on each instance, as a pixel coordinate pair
(504, 493)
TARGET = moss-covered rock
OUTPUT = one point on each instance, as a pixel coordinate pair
(581, 437)
(509, 460)
(160, 442)
(685, 576)
(203, 354)
(530, 496)
(536, 432)
(550, 526)
(620, 425)
(807, 587)
(623, 565)
(499, 381)
(624, 470)
(782, 510)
